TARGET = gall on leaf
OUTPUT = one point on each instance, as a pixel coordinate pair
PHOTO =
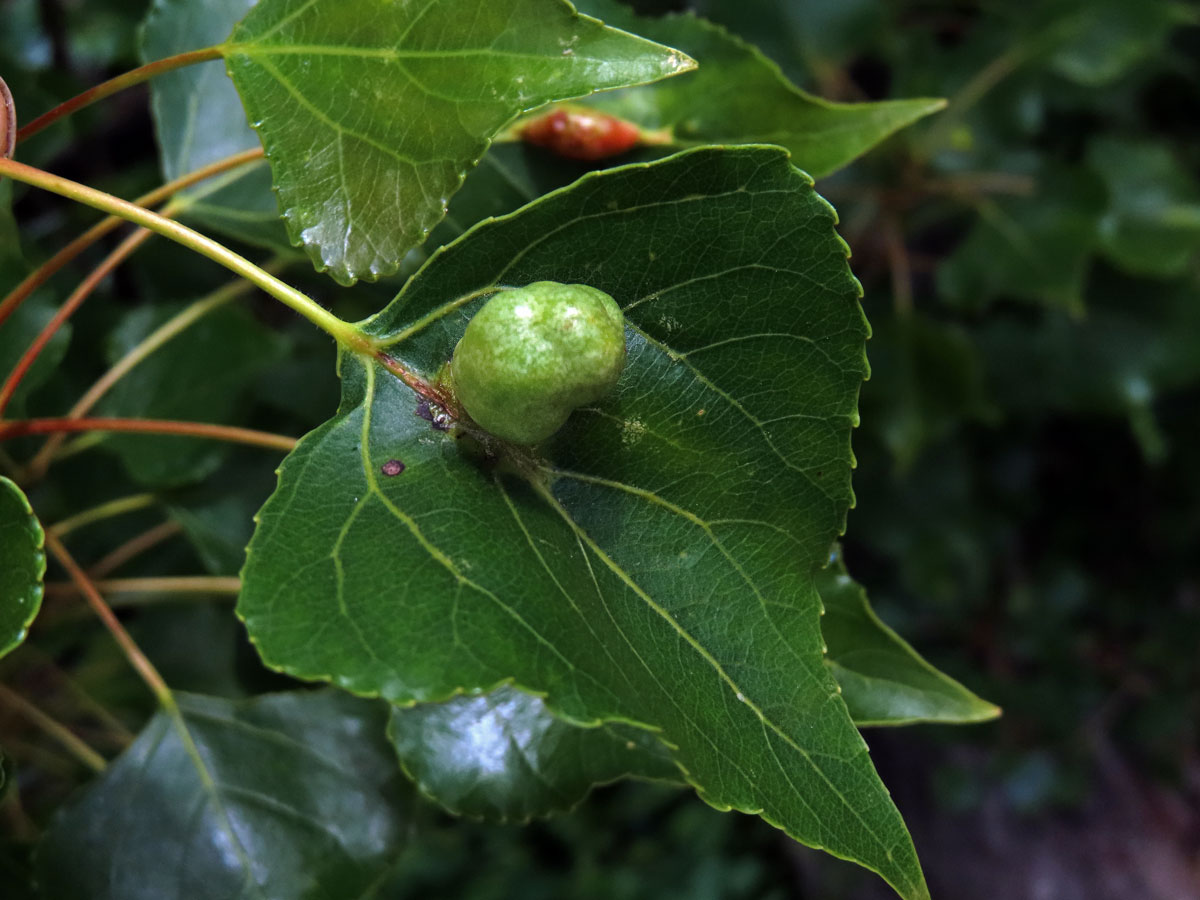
(580, 134)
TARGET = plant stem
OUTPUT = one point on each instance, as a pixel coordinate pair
(42, 273)
(116, 85)
(134, 547)
(150, 426)
(344, 333)
(51, 328)
(171, 328)
(67, 738)
(129, 647)
(181, 584)
(104, 511)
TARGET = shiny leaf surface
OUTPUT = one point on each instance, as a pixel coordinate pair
(286, 796)
(639, 568)
(372, 116)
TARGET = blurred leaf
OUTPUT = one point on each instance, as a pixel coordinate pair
(1109, 37)
(201, 375)
(738, 96)
(926, 380)
(504, 757)
(1117, 362)
(645, 571)
(292, 795)
(1152, 223)
(22, 566)
(199, 120)
(371, 120)
(883, 680)
(1030, 248)
(820, 33)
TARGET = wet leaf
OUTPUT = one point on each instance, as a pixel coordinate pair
(372, 118)
(505, 757)
(292, 795)
(639, 567)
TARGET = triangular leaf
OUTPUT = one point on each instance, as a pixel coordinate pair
(656, 566)
(738, 96)
(22, 565)
(883, 680)
(284, 797)
(373, 114)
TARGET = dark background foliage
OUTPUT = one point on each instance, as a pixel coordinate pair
(1027, 481)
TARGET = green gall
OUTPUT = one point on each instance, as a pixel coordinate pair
(532, 355)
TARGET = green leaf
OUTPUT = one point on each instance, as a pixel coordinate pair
(199, 120)
(656, 565)
(1110, 37)
(883, 680)
(1152, 223)
(202, 375)
(504, 757)
(292, 795)
(738, 96)
(1036, 248)
(372, 117)
(22, 566)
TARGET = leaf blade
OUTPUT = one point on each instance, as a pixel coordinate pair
(575, 582)
(361, 183)
(284, 796)
(22, 566)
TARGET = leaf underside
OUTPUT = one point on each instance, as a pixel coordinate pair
(22, 566)
(372, 116)
(655, 564)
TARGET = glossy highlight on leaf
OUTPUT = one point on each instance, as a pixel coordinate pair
(640, 569)
(504, 757)
(22, 566)
(287, 796)
(372, 114)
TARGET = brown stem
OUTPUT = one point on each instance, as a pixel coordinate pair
(115, 85)
(134, 547)
(179, 584)
(81, 293)
(67, 738)
(150, 426)
(129, 647)
(42, 273)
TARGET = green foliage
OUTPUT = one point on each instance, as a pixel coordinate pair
(737, 95)
(579, 578)
(639, 598)
(393, 110)
(288, 796)
(22, 565)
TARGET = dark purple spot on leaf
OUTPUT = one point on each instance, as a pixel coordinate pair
(392, 467)
(424, 411)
